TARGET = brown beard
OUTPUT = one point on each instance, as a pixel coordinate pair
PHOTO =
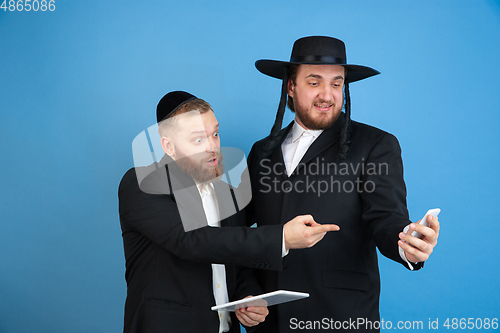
(195, 167)
(312, 124)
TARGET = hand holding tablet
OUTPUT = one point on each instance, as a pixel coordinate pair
(273, 298)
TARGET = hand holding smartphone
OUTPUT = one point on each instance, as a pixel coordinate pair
(434, 212)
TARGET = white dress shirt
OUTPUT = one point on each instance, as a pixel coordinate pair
(296, 144)
(294, 147)
(209, 201)
(219, 284)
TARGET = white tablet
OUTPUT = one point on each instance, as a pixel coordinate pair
(273, 298)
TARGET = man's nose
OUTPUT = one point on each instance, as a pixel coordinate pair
(212, 144)
(325, 92)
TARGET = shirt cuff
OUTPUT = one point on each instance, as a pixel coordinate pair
(402, 252)
(284, 251)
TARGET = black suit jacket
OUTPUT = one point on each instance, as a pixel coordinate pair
(168, 270)
(364, 194)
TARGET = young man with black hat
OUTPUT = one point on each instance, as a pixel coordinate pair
(339, 171)
(179, 260)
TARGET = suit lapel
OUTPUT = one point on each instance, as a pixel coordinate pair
(187, 197)
(225, 202)
(277, 157)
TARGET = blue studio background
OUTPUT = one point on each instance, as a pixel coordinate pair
(79, 83)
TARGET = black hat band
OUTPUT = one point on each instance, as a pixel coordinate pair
(318, 59)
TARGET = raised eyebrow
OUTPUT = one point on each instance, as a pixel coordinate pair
(197, 132)
(203, 131)
(216, 127)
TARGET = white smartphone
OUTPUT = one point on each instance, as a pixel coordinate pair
(434, 212)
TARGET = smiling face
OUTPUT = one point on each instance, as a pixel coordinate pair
(193, 143)
(317, 93)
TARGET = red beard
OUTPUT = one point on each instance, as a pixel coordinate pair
(196, 166)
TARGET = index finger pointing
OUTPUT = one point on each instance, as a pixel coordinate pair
(321, 228)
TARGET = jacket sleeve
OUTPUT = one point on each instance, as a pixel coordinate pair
(247, 281)
(156, 217)
(384, 199)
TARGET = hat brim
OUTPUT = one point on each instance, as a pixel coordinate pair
(276, 69)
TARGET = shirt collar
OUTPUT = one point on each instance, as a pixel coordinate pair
(204, 188)
(298, 131)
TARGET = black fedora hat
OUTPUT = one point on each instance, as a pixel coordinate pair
(171, 102)
(316, 50)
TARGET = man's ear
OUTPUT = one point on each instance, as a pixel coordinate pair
(290, 88)
(168, 146)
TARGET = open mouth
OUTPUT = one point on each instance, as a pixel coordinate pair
(323, 107)
(212, 162)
